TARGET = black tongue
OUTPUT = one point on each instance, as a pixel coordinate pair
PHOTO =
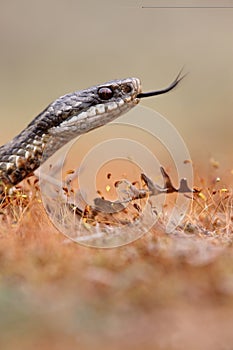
(163, 91)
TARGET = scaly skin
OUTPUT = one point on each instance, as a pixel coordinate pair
(67, 117)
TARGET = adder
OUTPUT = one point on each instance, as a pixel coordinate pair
(67, 117)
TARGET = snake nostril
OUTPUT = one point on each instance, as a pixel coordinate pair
(128, 88)
(105, 93)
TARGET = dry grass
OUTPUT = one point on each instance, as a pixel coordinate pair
(161, 292)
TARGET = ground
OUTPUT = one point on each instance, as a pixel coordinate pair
(164, 291)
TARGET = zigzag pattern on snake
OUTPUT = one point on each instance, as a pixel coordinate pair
(67, 117)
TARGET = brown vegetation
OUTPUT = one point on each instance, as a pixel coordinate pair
(161, 292)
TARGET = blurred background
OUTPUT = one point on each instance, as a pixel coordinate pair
(49, 48)
(161, 292)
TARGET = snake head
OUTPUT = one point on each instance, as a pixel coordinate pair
(67, 117)
(88, 109)
(82, 111)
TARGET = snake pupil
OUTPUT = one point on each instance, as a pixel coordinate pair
(105, 93)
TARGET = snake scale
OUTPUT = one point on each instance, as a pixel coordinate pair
(67, 117)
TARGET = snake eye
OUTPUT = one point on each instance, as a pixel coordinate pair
(105, 93)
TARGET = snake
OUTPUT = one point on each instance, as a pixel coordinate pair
(67, 117)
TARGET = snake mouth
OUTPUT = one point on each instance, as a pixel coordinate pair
(132, 99)
(136, 100)
(162, 91)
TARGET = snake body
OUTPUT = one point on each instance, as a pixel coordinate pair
(67, 117)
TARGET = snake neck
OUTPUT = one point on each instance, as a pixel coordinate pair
(67, 117)
(41, 138)
(25, 153)
(21, 156)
